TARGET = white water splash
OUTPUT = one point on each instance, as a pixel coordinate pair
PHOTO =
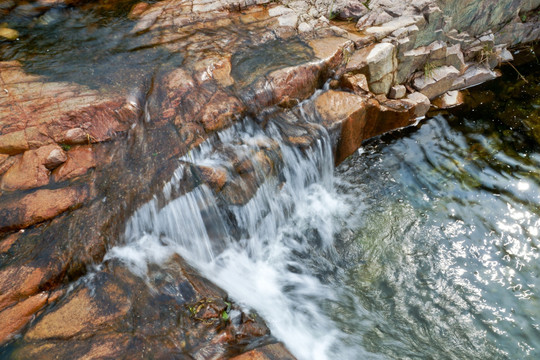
(271, 266)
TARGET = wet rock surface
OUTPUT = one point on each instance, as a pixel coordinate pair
(88, 136)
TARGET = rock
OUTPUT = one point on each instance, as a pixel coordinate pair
(380, 32)
(13, 143)
(216, 67)
(409, 62)
(6, 162)
(138, 9)
(268, 352)
(19, 282)
(504, 55)
(474, 75)
(344, 115)
(214, 177)
(56, 157)
(28, 172)
(437, 53)
(449, 100)
(352, 10)
(397, 92)
(82, 312)
(80, 159)
(8, 34)
(220, 111)
(44, 111)
(437, 81)
(420, 103)
(16, 317)
(388, 116)
(356, 82)
(454, 57)
(358, 61)
(76, 136)
(331, 49)
(305, 27)
(382, 65)
(285, 16)
(38, 206)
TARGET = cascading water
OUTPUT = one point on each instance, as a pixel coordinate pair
(425, 246)
(270, 253)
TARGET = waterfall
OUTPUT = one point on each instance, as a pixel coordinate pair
(270, 252)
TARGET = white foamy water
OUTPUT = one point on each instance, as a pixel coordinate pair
(268, 253)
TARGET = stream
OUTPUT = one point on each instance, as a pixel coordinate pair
(421, 245)
(424, 244)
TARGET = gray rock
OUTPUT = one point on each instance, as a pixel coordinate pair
(55, 158)
(474, 75)
(380, 32)
(419, 102)
(397, 92)
(353, 10)
(454, 57)
(436, 82)
(382, 64)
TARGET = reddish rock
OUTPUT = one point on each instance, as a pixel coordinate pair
(297, 82)
(33, 168)
(18, 282)
(214, 177)
(268, 352)
(41, 205)
(220, 111)
(28, 172)
(16, 317)
(79, 160)
(6, 162)
(138, 9)
(356, 82)
(217, 67)
(347, 113)
(82, 312)
(45, 110)
(449, 100)
(5, 244)
(388, 116)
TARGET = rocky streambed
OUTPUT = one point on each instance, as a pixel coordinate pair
(102, 105)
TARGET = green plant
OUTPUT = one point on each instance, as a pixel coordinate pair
(428, 69)
(366, 4)
(486, 54)
(65, 147)
(331, 14)
(225, 313)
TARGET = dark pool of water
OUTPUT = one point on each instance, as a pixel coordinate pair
(92, 46)
(444, 255)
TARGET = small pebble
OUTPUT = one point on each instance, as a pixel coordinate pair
(9, 34)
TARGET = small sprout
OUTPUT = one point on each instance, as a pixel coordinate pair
(224, 315)
(65, 147)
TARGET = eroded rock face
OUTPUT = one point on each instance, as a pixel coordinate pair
(174, 313)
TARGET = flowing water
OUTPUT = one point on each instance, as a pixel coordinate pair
(424, 244)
